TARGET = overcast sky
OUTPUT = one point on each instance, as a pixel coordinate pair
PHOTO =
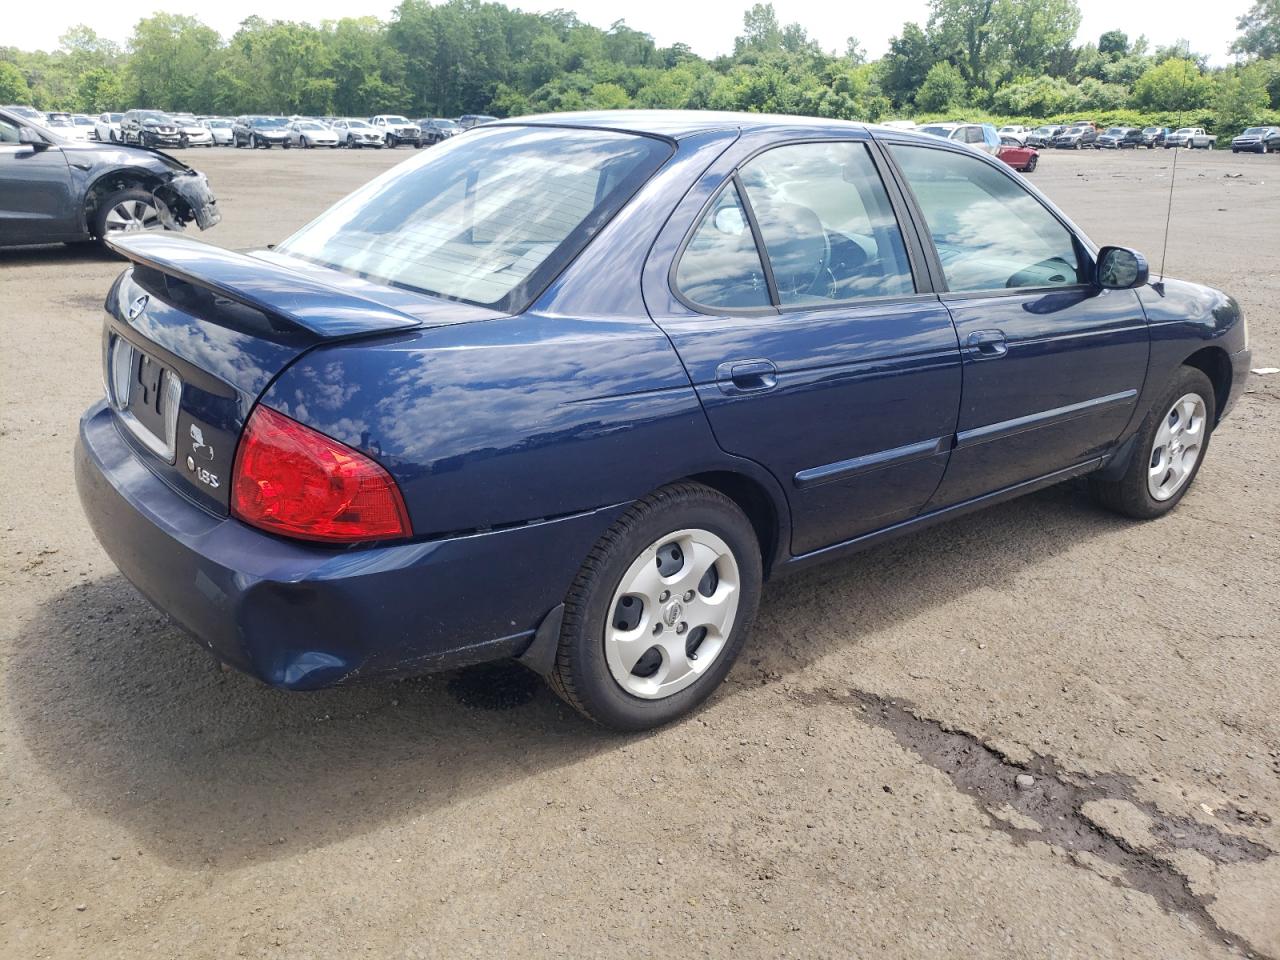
(708, 26)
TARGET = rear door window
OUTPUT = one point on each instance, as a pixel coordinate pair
(721, 266)
(827, 224)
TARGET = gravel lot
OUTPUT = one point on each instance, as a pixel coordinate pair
(851, 792)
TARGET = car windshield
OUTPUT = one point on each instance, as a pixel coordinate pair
(937, 131)
(391, 119)
(267, 122)
(357, 125)
(115, 117)
(1255, 131)
(1151, 130)
(219, 124)
(444, 124)
(154, 115)
(1182, 130)
(83, 121)
(1116, 132)
(311, 125)
(462, 221)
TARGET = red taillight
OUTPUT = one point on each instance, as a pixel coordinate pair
(291, 480)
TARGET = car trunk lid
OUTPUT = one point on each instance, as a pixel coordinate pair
(194, 334)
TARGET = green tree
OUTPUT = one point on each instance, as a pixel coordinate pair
(13, 85)
(100, 89)
(1259, 30)
(760, 31)
(1239, 100)
(172, 60)
(907, 63)
(1113, 43)
(943, 88)
(1175, 84)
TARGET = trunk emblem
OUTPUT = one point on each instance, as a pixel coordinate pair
(136, 308)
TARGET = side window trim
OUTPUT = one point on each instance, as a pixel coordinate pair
(940, 284)
(757, 237)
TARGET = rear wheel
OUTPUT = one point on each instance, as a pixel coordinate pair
(659, 610)
(1169, 450)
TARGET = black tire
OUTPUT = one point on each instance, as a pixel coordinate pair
(581, 675)
(392, 141)
(288, 144)
(305, 144)
(1031, 164)
(1129, 494)
(108, 203)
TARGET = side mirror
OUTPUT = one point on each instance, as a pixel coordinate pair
(1120, 268)
(30, 138)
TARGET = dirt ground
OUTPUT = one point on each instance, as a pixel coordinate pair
(850, 793)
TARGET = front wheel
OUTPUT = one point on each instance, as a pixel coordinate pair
(130, 210)
(659, 610)
(1168, 452)
(1031, 164)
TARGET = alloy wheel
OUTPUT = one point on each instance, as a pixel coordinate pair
(672, 613)
(1177, 447)
(128, 216)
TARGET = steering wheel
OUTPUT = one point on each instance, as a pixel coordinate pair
(799, 249)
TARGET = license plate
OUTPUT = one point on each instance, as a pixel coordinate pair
(146, 394)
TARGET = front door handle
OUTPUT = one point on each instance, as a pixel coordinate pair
(746, 376)
(987, 344)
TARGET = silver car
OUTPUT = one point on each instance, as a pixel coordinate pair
(220, 129)
(312, 133)
(191, 131)
(356, 133)
(107, 127)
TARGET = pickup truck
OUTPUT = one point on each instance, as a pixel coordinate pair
(1194, 138)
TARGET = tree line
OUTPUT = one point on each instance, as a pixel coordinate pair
(975, 59)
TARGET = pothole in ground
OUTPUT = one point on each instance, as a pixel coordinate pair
(1055, 802)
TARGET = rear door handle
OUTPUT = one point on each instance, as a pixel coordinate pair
(746, 376)
(987, 344)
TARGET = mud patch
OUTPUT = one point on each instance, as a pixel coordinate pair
(1055, 803)
(495, 686)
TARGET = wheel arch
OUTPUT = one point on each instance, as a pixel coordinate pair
(768, 517)
(111, 182)
(1214, 363)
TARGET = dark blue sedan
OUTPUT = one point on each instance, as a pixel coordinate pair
(569, 388)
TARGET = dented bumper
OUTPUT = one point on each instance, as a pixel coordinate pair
(301, 616)
(187, 198)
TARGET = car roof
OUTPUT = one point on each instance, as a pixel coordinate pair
(679, 124)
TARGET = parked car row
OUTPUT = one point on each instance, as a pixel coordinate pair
(158, 128)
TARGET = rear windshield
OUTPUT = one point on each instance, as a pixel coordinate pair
(489, 218)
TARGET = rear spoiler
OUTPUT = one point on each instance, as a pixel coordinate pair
(293, 297)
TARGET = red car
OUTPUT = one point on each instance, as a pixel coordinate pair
(1017, 156)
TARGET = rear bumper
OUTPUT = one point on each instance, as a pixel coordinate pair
(300, 617)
